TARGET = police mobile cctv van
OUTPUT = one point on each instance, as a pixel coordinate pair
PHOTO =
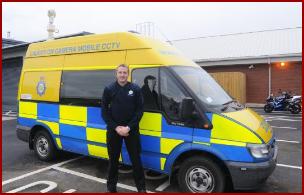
(190, 126)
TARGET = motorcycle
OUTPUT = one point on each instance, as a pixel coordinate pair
(295, 105)
(285, 102)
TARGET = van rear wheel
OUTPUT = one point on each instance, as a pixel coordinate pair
(43, 146)
(201, 174)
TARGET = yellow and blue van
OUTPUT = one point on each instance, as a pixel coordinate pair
(191, 127)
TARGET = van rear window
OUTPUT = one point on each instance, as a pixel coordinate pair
(84, 88)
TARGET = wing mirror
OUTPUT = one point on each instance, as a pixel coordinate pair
(188, 111)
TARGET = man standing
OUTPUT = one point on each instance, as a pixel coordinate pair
(122, 109)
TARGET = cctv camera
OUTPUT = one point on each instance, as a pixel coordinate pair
(251, 67)
(51, 13)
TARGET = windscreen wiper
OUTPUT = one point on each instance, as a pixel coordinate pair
(227, 103)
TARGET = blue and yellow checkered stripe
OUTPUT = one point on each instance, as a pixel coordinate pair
(227, 139)
(158, 140)
(82, 130)
(73, 128)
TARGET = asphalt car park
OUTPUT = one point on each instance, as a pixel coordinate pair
(23, 172)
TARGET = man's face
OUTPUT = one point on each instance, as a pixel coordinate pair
(122, 74)
(152, 83)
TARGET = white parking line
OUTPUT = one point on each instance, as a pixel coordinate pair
(51, 186)
(289, 166)
(70, 191)
(283, 127)
(280, 116)
(281, 119)
(12, 115)
(39, 171)
(163, 186)
(288, 141)
(90, 177)
(5, 118)
(278, 112)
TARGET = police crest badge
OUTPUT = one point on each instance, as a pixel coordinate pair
(130, 93)
(41, 87)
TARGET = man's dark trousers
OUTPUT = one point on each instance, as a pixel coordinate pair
(132, 141)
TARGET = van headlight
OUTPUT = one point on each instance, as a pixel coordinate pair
(258, 150)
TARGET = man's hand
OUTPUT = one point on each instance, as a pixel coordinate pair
(122, 131)
(118, 129)
(126, 130)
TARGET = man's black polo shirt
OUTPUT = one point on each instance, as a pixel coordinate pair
(122, 105)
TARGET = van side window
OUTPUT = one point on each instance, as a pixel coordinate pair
(84, 88)
(171, 96)
(147, 79)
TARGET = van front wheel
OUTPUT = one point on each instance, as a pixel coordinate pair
(200, 174)
(43, 146)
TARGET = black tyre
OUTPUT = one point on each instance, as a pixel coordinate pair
(201, 174)
(296, 109)
(44, 146)
(268, 108)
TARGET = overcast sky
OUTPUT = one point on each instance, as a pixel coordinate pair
(28, 21)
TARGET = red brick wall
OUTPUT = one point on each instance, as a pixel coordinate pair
(287, 78)
(256, 80)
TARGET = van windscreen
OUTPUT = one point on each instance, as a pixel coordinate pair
(202, 84)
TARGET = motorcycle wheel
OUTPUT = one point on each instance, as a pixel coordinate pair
(268, 108)
(295, 109)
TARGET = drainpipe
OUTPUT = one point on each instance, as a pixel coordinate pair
(269, 77)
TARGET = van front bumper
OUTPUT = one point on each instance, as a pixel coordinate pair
(248, 176)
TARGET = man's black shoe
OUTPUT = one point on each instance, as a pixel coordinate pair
(142, 191)
(112, 191)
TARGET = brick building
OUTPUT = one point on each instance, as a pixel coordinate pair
(271, 60)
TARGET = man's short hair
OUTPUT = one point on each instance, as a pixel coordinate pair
(122, 65)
